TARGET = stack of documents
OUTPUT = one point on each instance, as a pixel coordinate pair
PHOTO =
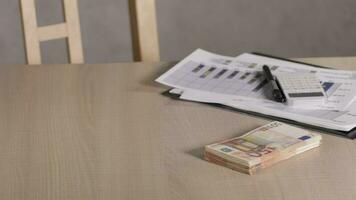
(261, 147)
(239, 82)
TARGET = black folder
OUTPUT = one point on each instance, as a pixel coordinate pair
(348, 134)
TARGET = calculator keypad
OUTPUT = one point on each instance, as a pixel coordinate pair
(300, 85)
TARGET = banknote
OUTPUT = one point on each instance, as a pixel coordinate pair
(263, 146)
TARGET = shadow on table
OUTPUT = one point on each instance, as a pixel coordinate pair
(150, 78)
(198, 152)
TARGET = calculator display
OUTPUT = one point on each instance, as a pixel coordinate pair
(306, 94)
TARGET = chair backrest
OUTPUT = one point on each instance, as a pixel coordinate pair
(143, 28)
(69, 29)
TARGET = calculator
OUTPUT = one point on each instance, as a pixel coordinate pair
(301, 89)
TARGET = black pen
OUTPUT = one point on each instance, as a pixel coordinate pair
(276, 91)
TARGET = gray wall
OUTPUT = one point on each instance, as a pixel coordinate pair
(290, 28)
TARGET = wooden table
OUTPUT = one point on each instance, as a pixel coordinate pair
(105, 132)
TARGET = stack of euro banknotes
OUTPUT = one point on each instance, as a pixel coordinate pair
(262, 147)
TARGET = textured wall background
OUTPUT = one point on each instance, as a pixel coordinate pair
(290, 28)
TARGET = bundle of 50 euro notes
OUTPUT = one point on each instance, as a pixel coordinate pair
(261, 147)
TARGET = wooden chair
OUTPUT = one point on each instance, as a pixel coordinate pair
(144, 30)
(143, 27)
(34, 34)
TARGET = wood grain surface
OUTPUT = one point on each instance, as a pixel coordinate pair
(105, 132)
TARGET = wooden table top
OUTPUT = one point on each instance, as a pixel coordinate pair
(105, 132)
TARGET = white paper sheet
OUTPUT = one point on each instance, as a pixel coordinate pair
(239, 82)
(338, 120)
